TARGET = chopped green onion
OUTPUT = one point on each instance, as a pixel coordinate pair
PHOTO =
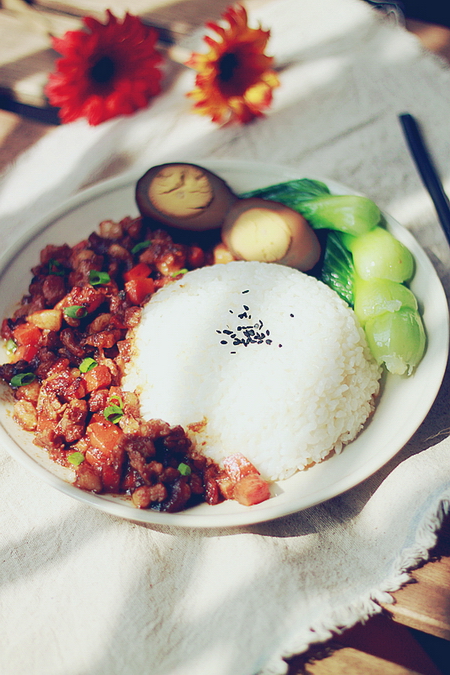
(87, 364)
(75, 458)
(141, 246)
(21, 379)
(98, 278)
(184, 469)
(183, 271)
(55, 268)
(113, 413)
(75, 311)
(10, 346)
(115, 400)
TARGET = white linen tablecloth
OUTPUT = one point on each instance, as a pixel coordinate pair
(86, 593)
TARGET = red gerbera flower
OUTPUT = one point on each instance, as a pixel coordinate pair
(106, 70)
(235, 80)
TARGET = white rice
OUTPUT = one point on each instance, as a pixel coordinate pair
(305, 391)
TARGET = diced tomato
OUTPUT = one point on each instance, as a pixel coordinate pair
(46, 425)
(251, 489)
(27, 334)
(138, 289)
(139, 271)
(24, 353)
(104, 436)
(97, 378)
(237, 466)
(111, 476)
(106, 451)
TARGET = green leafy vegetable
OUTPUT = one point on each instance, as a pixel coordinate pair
(376, 296)
(379, 254)
(292, 192)
(346, 213)
(397, 340)
(22, 378)
(337, 268)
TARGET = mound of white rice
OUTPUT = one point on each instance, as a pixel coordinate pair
(262, 359)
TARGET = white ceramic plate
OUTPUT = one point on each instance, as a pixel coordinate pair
(402, 406)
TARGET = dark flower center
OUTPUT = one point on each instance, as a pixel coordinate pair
(103, 70)
(226, 66)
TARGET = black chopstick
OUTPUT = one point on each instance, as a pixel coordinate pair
(427, 170)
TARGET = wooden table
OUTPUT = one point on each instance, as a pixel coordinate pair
(415, 630)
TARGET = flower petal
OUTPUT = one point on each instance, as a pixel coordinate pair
(234, 79)
(127, 79)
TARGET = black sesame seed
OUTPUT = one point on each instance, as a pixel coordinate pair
(223, 342)
(234, 352)
(268, 342)
(246, 307)
(267, 332)
(280, 345)
(291, 315)
(227, 332)
(247, 291)
(218, 331)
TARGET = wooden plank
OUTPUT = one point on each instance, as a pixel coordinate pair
(349, 661)
(178, 18)
(378, 643)
(26, 56)
(17, 134)
(424, 604)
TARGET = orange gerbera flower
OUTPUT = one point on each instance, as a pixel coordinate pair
(107, 70)
(235, 80)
